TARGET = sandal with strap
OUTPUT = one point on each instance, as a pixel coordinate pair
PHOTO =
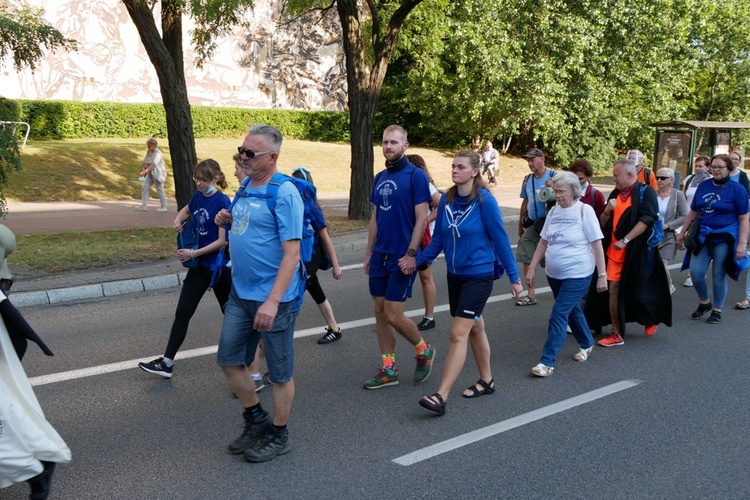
(743, 304)
(433, 403)
(526, 301)
(487, 388)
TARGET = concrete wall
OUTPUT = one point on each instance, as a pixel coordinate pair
(261, 65)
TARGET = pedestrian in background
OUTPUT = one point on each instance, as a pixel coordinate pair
(673, 209)
(153, 174)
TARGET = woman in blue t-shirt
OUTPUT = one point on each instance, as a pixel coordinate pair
(469, 230)
(722, 207)
(324, 257)
(202, 208)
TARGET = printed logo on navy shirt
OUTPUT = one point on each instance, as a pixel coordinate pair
(385, 189)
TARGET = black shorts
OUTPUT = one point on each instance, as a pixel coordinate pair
(467, 296)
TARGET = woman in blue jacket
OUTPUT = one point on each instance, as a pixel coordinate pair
(469, 230)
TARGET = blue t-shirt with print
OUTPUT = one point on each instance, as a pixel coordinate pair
(730, 202)
(395, 193)
(536, 208)
(203, 210)
(255, 241)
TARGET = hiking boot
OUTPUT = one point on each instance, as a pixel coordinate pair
(275, 442)
(255, 429)
(424, 365)
(157, 367)
(426, 324)
(330, 336)
(612, 340)
(383, 378)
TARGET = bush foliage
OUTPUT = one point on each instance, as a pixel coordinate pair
(79, 120)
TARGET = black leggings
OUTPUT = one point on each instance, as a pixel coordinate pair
(313, 285)
(195, 285)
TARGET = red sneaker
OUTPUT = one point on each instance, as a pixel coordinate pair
(612, 340)
(650, 329)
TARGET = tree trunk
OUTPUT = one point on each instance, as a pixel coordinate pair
(166, 56)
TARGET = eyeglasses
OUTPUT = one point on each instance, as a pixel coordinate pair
(560, 191)
(718, 167)
(250, 153)
(662, 178)
(198, 179)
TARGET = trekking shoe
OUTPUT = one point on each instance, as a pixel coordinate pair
(330, 336)
(650, 329)
(541, 370)
(424, 365)
(714, 318)
(612, 340)
(255, 429)
(275, 442)
(688, 282)
(702, 309)
(583, 354)
(426, 324)
(383, 378)
(157, 367)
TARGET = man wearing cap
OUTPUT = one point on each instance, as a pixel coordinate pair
(533, 213)
(644, 175)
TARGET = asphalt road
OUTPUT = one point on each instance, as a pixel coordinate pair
(660, 417)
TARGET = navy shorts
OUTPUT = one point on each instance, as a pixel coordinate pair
(467, 296)
(387, 280)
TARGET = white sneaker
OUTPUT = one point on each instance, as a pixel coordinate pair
(541, 370)
(163, 209)
(583, 354)
(671, 289)
(142, 208)
(688, 282)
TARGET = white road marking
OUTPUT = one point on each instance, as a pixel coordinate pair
(512, 423)
(209, 350)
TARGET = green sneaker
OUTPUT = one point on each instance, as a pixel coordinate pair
(424, 365)
(383, 378)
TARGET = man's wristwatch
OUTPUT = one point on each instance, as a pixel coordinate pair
(411, 252)
(517, 282)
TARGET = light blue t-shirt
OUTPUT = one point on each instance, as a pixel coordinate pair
(255, 241)
(530, 191)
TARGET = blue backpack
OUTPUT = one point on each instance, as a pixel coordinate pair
(309, 196)
(657, 230)
(188, 238)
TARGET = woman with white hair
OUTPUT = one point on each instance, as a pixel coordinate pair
(153, 174)
(673, 209)
(571, 242)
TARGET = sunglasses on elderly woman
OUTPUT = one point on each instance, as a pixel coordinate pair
(662, 178)
(250, 153)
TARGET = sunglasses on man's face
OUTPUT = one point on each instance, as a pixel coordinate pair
(250, 153)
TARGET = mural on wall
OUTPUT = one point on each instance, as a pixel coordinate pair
(263, 64)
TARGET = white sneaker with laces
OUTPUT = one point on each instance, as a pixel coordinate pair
(583, 354)
(541, 370)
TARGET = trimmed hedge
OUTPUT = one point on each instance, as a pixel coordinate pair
(10, 111)
(74, 119)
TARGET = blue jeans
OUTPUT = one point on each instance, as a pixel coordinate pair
(566, 311)
(716, 252)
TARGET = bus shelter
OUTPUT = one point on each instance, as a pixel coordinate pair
(679, 142)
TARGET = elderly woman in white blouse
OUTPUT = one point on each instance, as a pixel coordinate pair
(153, 174)
(673, 209)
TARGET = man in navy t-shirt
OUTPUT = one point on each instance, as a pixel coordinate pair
(401, 196)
